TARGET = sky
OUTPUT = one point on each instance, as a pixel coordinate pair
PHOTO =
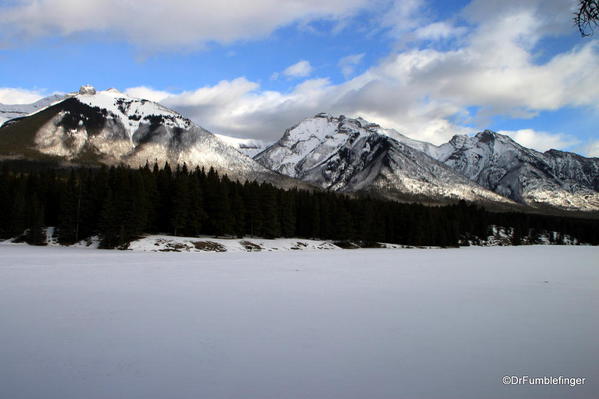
(251, 69)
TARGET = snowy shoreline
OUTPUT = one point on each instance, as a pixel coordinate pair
(168, 243)
(435, 324)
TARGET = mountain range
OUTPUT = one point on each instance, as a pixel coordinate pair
(13, 111)
(89, 127)
(353, 155)
(336, 153)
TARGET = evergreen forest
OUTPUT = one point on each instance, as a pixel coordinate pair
(120, 204)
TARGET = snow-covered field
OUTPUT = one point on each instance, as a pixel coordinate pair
(380, 323)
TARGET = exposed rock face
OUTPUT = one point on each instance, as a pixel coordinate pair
(353, 155)
(553, 178)
(111, 127)
(349, 155)
(87, 90)
(333, 152)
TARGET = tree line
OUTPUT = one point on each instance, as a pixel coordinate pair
(120, 204)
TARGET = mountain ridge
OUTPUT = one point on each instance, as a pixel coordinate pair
(492, 161)
(353, 155)
(553, 177)
(12, 111)
(336, 153)
(112, 128)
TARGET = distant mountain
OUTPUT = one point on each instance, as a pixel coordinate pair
(332, 152)
(353, 155)
(8, 111)
(110, 127)
(495, 161)
(249, 147)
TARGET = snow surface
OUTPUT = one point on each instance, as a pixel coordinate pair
(86, 323)
(495, 161)
(158, 243)
(249, 147)
(334, 152)
(123, 107)
(351, 155)
(8, 111)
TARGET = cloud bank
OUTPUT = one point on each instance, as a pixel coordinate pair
(592, 149)
(164, 24)
(426, 92)
(18, 96)
(444, 77)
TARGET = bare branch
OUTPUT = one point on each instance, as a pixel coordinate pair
(586, 17)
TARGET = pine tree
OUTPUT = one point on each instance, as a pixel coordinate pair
(254, 216)
(222, 217)
(70, 211)
(109, 224)
(36, 234)
(18, 219)
(5, 203)
(197, 214)
(271, 227)
(287, 214)
(238, 210)
(181, 200)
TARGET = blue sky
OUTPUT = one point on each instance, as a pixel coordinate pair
(430, 69)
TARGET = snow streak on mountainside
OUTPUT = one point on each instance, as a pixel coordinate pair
(554, 178)
(249, 147)
(352, 155)
(8, 111)
(111, 127)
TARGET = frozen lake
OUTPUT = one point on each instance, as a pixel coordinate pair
(364, 324)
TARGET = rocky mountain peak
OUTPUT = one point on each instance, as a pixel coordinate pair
(354, 155)
(459, 140)
(87, 90)
(110, 127)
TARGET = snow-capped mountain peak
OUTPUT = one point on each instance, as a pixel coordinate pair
(334, 152)
(497, 162)
(346, 154)
(87, 90)
(108, 126)
(351, 155)
(132, 112)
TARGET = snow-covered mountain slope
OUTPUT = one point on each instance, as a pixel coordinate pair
(8, 111)
(554, 178)
(335, 153)
(111, 127)
(353, 155)
(249, 147)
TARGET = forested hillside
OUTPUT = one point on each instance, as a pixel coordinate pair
(119, 204)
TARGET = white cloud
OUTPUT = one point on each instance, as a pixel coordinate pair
(300, 69)
(147, 93)
(19, 96)
(425, 93)
(592, 150)
(552, 15)
(439, 31)
(163, 24)
(541, 141)
(348, 64)
(404, 16)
